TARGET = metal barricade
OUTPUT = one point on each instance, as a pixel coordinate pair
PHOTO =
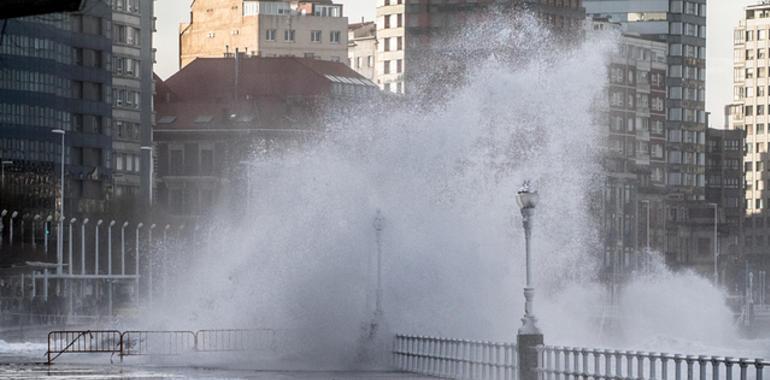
(235, 340)
(83, 342)
(158, 343)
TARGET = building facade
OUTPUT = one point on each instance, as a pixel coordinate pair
(634, 193)
(682, 25)
(206, 135)
(409, 33)
(132, 89)
(362, 49)
(305, 28)
(724, 187)
(55, 74)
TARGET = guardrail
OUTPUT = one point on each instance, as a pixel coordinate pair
(157, 343)
(75, 342)
(557, 363)
(455, 358)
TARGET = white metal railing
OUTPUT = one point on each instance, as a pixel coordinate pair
(455, 358)
(565, 363)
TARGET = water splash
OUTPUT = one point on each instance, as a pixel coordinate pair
(445, 177)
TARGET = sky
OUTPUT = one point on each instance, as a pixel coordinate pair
(723, 16)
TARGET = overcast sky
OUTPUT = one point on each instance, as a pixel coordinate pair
(723, 15)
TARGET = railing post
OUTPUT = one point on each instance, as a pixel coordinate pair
(664, 366)
(758, 365)
(541, 362)
(743, 363)
(678, 366)
(714, 368)
(690, 359)
(728, 368)
(702, 360)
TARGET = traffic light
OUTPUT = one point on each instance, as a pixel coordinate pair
(21, 8)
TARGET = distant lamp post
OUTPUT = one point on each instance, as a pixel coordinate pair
(46, 232)
(379, 225)
(136, 261)
(123, 248)
(35, 222)
(3, 164)
(60, 239)
(96, 246)
(83, 246)
(2, 226)
(10, 231)
(529, 335)
(150, 262)
(69, 263)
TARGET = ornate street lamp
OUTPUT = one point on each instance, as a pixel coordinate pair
(529, 336)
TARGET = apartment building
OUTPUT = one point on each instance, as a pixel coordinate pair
(749, 115)
(306, 28)
(362, 49)
(251, 104)
(633, 198)
(132, 92)
(409, 33)
(681, 25)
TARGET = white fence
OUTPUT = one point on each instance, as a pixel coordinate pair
(465, 359)
(455, 358)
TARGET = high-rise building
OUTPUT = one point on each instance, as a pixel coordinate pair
(409, 33)
(268, 28)
(749, 114)
(362, 48)
(132, 92)
(55, 74)
(682, 25)
(633, 196)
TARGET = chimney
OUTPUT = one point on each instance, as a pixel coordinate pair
(237, 73)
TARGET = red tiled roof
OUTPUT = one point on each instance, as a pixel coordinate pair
(273, 93)
(214, 78)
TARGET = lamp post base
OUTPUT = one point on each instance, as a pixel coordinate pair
(527, 346)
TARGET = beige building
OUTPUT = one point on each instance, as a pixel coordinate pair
(750, 113)
(362, 49)
(311, 29)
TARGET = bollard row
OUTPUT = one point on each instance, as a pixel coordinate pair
(455, 358)
(570, 363)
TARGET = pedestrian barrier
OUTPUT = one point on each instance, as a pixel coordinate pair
(236, 340)
(157, 343)
(565, 363)
(78, 342)
(455, 358)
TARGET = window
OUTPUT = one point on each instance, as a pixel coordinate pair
(387, 21)
(399, 67)
(358, 62)
(289, 35)
(760, 129)
(370, 61)
(386, 44)
(386, 67)
(270, 35)
(315, 36)
(334, 37)
(399, 43)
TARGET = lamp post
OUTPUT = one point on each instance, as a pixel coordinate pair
(123, 248)
(150, 256)
(164, 260)
(148, 151)
(379, 225)
(716, 243)
(60, 239)
(529, 335)
(109, 267)
(136, 262)
(46, 230)
(2, 226)
(4, 163)
(96, 246)
(69, 262)
(83, 246)
(10, 231)
(35, 222)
